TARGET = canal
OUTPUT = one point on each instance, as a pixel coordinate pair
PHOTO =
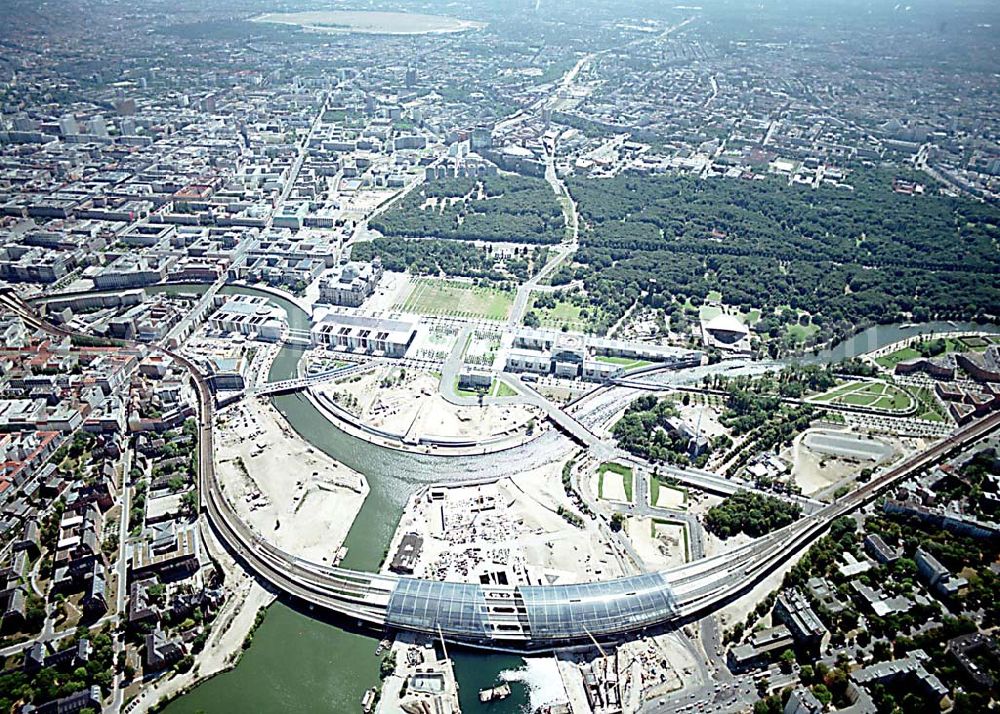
(308, 662)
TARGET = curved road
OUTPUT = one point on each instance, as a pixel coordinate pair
(509, 617)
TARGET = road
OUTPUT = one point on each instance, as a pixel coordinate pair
(121, 574)
(566, 422)
(681, 594)
(557, 254)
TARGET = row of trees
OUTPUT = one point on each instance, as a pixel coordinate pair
(451, 258)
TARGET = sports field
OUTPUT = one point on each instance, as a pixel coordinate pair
(430, 296)
(877, 395)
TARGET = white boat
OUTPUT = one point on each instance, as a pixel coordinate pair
(501, 691)
(368, 701)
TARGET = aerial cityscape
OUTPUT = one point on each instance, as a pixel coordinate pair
(507, 356)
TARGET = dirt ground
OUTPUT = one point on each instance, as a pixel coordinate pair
(413, 408)
(813, 472)
(670, 498)
(508, 526)
(614, 486)
(290, 493)
(660, 545)
(738, 610)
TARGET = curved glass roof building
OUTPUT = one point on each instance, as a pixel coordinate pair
(529, 613)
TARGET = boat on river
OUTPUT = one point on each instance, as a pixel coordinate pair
(368, 701)
(494, 694)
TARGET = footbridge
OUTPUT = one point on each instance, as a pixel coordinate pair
(286, 386)
(526, 617)
(297, 338)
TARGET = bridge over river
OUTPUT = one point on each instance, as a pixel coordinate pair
(518, 616)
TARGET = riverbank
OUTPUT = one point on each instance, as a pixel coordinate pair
(245, 597)
(308, 661)
(296, 497)
(350, 425)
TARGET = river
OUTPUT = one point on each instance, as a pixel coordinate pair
(307, 662)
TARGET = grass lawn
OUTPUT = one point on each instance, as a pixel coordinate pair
(951, 344)
(709, 312)
(464, 392)
(928, 406)
(975, 343)
(654, 490)
(626, 362)
(431, 296)
(801, 332)
(957, 344)
(624, 471)
(877, 395)
(564, 313)
(500, 389)
(892, 359)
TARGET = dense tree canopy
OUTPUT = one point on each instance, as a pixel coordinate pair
(866, 254)
(645, 430)
(513, 209)
(451, 258)
(752, 513)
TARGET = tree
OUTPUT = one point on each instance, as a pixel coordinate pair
(157, 592)
(387, 667)
(822, 694)
(617, 521)
(752, 513)
(787, 661)
(768, 705)
(882, 651)
(185, 663)
(189, 501)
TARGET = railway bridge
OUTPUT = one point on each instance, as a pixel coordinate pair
(518, 616)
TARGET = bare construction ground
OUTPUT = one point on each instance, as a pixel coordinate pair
(507, 531)
(290, 493)
(406, 402)
(660, 545)
(847, 446)
(668, 497)
(821, 458)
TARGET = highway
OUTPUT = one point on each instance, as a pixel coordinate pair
(512, 617)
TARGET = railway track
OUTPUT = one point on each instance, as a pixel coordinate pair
(694, 589)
